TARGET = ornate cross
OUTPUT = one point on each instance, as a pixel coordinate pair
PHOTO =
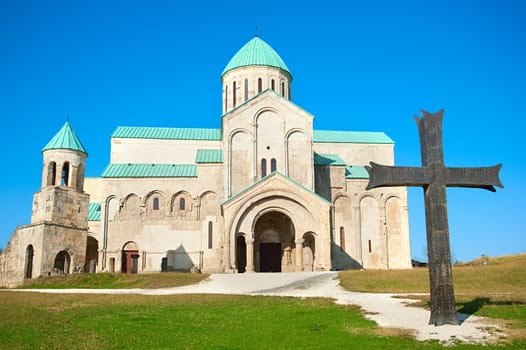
(434, 177)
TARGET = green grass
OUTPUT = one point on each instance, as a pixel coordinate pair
(33, 320)
(28, 320)
(116, 280)
(489, 287)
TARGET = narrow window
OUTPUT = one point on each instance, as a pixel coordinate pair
(226, 97)
(288, 92)
(283, 89)
(29, 261)
(260, 85)
(234, 95)
(370, 247)
(263, 167)
(210, 234)
(181, 204)
(156, 203)
(246, 89)
(272, 85)
(51, 174)
(273, 164)
(65, 174)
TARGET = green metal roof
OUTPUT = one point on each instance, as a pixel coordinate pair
(150, 170)
(256, 53)
(209, 156)
(329, 136)
(65, 138)
(328, 159)
(94, 212)
(356, 172)
(136, 132)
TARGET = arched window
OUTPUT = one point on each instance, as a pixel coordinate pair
(260, 85)
(62, 261)
(263, 167)
(272, 84)
(246, 89)
(182, 204)
(283, 88)
(273, 165)
(342, 238)
(51, 174)
(155, 203)
(65, 174)
(210, 234)
(234, 95)
(370, 247)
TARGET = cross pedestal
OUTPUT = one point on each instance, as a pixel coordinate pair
(434, 177)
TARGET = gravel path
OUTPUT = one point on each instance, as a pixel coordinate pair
(386, 310)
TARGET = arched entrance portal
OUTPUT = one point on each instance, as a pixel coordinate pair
(92, 254)
(62, 262)
(241, 254)
(130, 258)
(274, 243)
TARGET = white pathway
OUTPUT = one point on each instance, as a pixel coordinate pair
(386, 310)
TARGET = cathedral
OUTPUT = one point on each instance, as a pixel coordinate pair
(264, 193)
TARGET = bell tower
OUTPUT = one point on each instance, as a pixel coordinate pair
(61, 199)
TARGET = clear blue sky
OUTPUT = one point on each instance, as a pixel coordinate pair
(357, 65)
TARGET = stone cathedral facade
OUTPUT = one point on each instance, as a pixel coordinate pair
(264, 193)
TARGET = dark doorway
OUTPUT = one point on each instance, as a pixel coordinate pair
(29, 261)
(270, 257)
(128, 257)
(92, 255)
(62, 262)
(241, 254)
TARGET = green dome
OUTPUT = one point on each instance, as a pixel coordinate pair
(65, 139)
(256, 53)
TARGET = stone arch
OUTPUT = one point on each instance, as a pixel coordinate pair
(209, 204)
(182, 206)
(92, 254)
(308, 252)
(154, 204)
(241, 253)
(394, 223)
(274, 235)
(62, 262)
(240, 156)
(299, 160)
(51, 174)
(65, 176)
(343, 219)
(130, 257)
(30, 253)
(131, 208)
(270, 134)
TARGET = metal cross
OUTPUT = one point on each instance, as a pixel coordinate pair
(434, 177)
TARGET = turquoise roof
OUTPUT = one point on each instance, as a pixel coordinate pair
(209, 156)
(65, 138)
(256, 53)
(150, 170)
(328, 136)
(328, 159)
(94, 212)
(136, 132)
(356, 172)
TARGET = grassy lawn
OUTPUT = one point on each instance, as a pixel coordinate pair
(58, 321)
(117, 280)
(32, 320)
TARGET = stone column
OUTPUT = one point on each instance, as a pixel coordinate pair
(250, 255)
(299, 255)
